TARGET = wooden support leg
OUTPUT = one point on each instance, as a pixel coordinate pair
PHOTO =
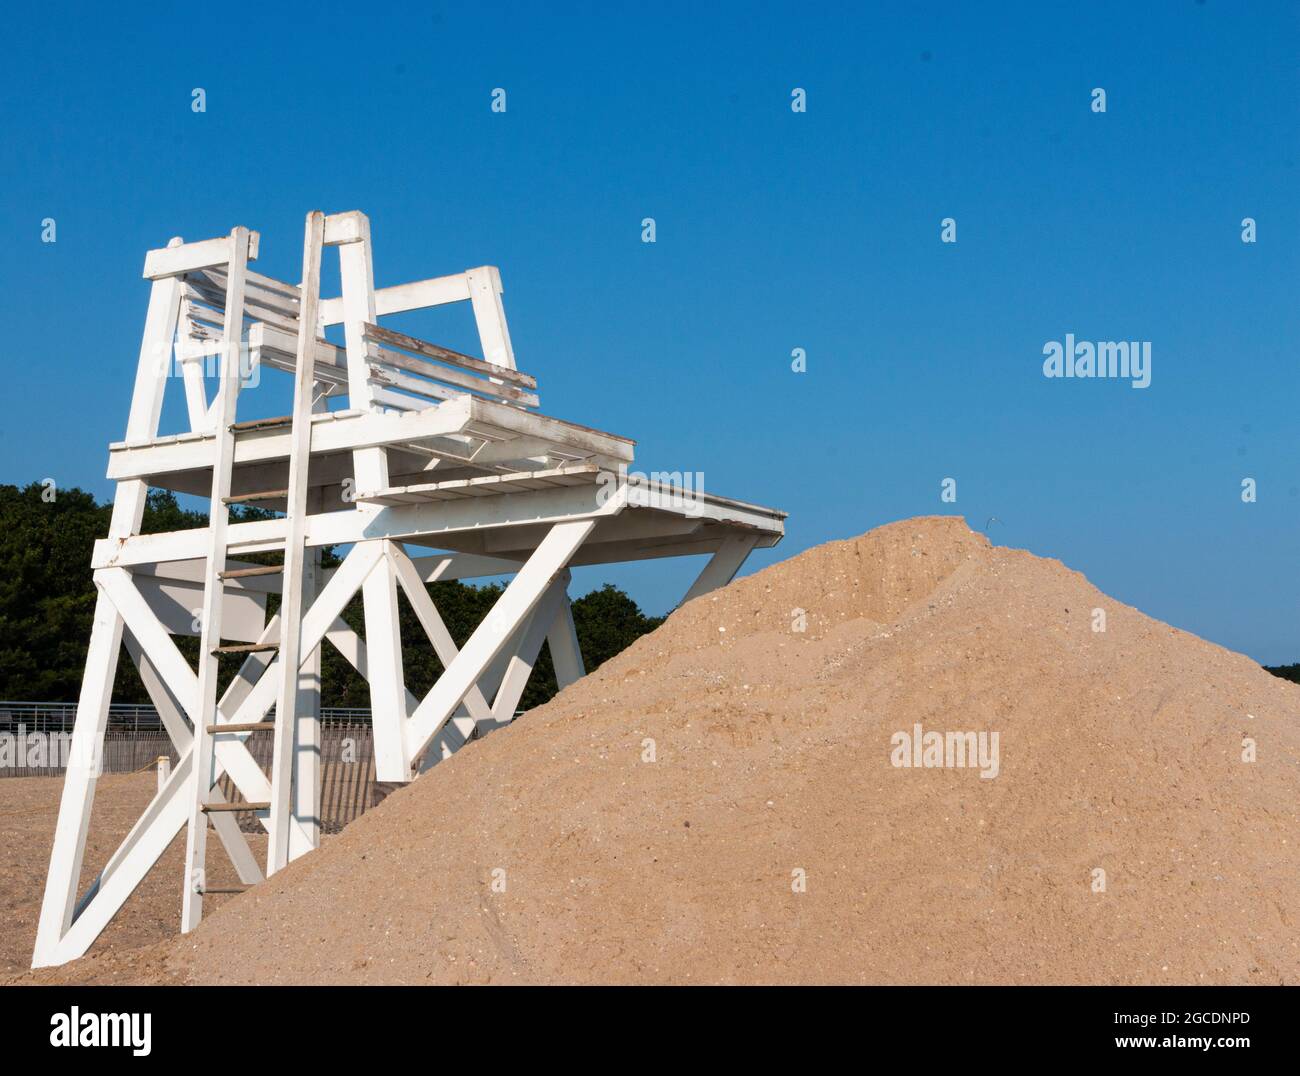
(78, 798)
(307, 761)
(384, 655)
(351, 233)
(307, 754)
(297, 559)
(566, 654)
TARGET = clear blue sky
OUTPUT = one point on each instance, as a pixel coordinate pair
(776, 230)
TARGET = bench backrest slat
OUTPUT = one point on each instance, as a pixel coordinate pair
(381, 335)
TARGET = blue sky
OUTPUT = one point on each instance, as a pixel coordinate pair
(775, 230)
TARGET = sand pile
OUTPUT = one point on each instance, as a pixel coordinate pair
(1118, 751)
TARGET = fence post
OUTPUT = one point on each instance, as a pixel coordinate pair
(164, 770)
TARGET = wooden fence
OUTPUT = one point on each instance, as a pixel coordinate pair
(348, 785)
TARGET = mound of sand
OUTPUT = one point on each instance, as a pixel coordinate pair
(774, 755)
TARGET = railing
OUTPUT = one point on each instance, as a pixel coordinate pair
(61, 716)
(122, 716)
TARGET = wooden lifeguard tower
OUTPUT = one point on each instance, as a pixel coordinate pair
(430, 448)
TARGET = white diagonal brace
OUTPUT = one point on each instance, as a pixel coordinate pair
(353, 648)
(520, 598)
(169, 712)
(474, 708)
(152, 637)
(723, 565)
(520, 667)
(141, 849)
(457, 731)
(249, 674)
(148, 839)
(436, 629)
(319, 619)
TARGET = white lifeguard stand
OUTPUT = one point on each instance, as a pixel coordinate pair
(434, 449)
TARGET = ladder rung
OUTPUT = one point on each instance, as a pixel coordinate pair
(224, 889)
(264, 495)
(246, 648)
(243, 726)
(244, 573)
(213, 808)
(262, 423)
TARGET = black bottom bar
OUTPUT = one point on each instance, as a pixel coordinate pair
(971, 1024)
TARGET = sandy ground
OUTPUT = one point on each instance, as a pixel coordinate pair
(721, 804)
(28, 809)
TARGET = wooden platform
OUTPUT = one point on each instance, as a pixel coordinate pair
(477, 449)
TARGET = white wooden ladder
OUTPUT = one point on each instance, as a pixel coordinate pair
(206, 800)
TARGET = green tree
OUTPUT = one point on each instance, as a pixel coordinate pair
(1286, 672)
(47, 600)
